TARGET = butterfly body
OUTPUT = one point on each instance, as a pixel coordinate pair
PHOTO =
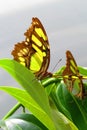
(34, 52)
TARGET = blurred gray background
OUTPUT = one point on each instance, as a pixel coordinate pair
(65, 22)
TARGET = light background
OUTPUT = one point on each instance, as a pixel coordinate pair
(65, 22)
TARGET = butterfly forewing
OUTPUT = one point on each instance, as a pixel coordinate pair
(34, 52)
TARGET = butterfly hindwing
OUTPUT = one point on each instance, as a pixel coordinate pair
(34, 52)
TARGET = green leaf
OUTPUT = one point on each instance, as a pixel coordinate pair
(66, 125)
(77, 108)
(34, 98)
(22, 122)
(61, 121)
(61, 101)
(26, 100)
(28, 81)
(83, 70)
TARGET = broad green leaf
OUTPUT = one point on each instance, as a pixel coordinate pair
(22, 122)
(60, 121)
(28, 81)
(26, 100)
(74, 107)
(61, 102)
(66, 125)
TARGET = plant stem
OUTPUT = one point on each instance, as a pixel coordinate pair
(12, 111)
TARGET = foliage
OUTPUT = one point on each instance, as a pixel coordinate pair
(51, 105)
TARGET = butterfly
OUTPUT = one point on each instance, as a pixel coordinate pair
(34, 51)
(72, 77)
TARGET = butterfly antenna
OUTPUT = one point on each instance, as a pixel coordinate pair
(56, 65)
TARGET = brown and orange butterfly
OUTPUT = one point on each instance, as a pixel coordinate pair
(72, 77)
(34, 51)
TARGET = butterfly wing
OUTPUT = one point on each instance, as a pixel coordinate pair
(34, 52)
(71, 76)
